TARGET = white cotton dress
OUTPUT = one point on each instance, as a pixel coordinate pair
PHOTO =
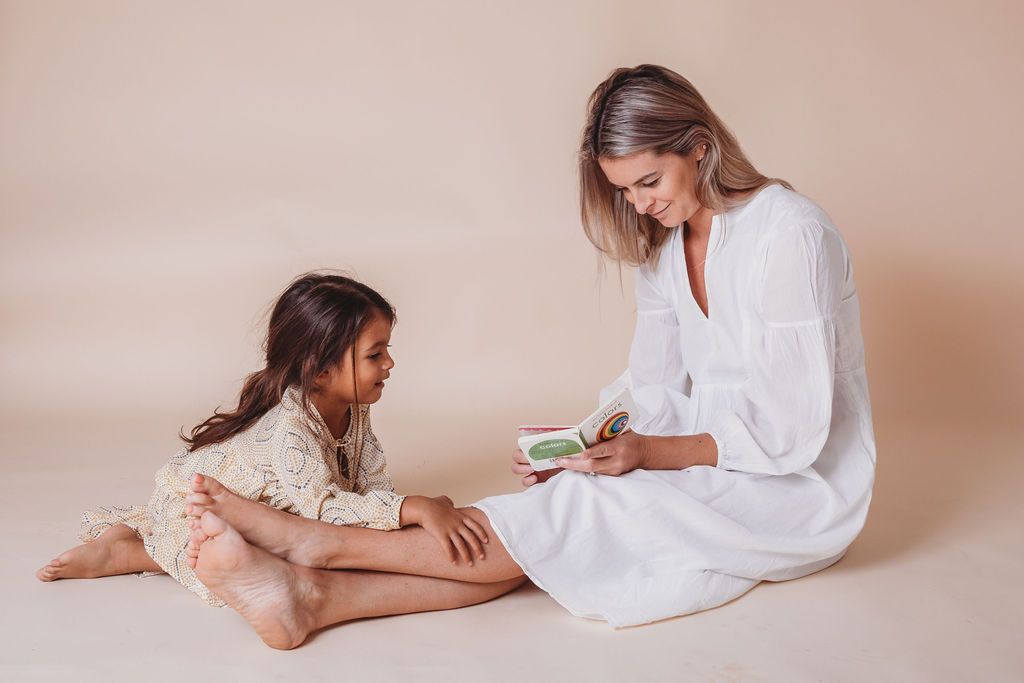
(775, 374)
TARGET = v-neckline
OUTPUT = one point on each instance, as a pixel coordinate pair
(713, 239)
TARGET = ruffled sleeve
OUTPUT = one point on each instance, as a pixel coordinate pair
(656, 375)
(781, 420)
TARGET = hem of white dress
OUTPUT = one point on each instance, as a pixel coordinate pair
(611, 621)
(490, 514)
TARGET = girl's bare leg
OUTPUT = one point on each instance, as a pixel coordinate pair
(118, 550)
(284, 602)
(327, 546)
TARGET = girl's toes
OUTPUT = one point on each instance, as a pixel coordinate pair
(47, 573)
(199, 499)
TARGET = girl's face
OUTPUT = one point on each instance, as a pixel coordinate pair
(373, 365)
(660, 185)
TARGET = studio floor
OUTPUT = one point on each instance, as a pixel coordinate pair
(929, 592)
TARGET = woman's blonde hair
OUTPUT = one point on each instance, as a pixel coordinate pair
(651, 108)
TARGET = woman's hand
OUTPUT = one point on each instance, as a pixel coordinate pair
(522, 467)
(459, 535)
(625, 453)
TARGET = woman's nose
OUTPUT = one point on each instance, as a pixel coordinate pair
(642, 203)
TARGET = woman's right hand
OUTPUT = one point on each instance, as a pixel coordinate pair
(522, 467)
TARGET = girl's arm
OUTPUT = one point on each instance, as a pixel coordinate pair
(458, 534)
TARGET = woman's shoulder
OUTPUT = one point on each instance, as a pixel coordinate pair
(778, 218)
(776, 207)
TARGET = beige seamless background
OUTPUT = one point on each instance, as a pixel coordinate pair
(166, 168)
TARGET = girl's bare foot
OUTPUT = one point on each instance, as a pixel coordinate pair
(118, 550)
(288, 536)
(210, 494)
(278, 599)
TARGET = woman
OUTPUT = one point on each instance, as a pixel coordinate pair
(753, 458)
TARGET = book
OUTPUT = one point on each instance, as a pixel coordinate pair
(541, 444)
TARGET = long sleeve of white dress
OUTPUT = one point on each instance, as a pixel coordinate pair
(657, 376)
(781, 422)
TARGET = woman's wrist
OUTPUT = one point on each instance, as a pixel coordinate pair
(678, 452)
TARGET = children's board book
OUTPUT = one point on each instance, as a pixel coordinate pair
(543, 443)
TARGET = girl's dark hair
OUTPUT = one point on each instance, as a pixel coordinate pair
(315, 320)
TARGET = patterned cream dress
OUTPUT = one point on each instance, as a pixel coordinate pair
(287, 460)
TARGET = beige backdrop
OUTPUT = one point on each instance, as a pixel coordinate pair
(165, 168)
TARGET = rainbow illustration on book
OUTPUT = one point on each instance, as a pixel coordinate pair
(613, 426)
(543, 443)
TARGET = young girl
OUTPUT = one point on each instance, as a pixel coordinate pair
(299, 440)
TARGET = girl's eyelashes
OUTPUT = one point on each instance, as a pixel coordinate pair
(375, 356)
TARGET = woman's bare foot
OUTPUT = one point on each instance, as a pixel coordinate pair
(118, 550)
(288, 536)
(278, 599)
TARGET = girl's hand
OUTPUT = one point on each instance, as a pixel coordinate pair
(625, 453)
(459, 535)
(522, 467)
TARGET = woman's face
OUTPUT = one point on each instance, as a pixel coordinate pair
(662, 186)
